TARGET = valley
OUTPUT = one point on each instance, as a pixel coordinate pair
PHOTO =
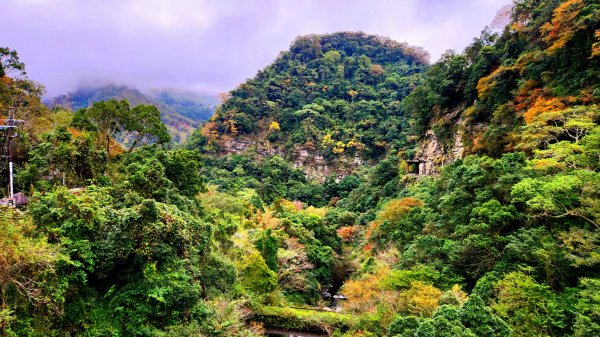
(351, 188)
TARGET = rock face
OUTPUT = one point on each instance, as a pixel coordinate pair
(502, 18)
(304, 157)
(432, 155)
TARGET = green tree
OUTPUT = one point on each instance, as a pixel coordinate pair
(530, 308)
(144, 126)
(480, 318)
(256, 275)
(65, 157)
(588, 309)
(10, 62)
(110, 117)
(28, 265)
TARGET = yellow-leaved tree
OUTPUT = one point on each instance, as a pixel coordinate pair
(274, 126)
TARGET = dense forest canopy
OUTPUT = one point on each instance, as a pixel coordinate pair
(125, 235)
(340, 93)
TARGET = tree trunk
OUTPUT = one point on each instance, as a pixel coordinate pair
(108, 145)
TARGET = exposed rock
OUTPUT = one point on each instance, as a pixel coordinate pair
(432, 155)
(502, 18)
(305, 157)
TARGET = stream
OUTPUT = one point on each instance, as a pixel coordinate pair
(340, 274)
(330, 294)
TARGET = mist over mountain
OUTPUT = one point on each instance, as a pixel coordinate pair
(182, 111)
(350, 188)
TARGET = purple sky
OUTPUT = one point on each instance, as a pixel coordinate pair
(210, 45)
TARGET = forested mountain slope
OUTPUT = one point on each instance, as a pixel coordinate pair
(503, 240)
(341, 98)
(485, 99)
(331, 102)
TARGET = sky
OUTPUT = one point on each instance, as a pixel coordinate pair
(210, 46)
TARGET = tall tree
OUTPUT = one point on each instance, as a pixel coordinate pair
(145, 126)
(110, 117)
(140, 125)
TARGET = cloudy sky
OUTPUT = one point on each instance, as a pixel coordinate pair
(210, 45)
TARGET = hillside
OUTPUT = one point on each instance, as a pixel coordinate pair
(453, 199)
(331, 103)
(503, 91)
(181, 111)
(197, 107)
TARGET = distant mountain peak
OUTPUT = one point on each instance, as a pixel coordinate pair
(330, 103)
(182, 111)
(502, 17)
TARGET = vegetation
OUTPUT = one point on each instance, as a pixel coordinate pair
(182, 112)
(338, 93)
(125, 237)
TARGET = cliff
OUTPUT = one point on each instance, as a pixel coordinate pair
(307, 158)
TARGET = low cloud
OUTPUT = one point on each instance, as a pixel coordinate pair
(210, 45)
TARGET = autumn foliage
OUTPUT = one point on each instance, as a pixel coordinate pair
(347, 233)
(558, 32)
(372, 293)
(542, 105)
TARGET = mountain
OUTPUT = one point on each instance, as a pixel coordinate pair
(483, 100)
(333, 103)
(197, 107)
(502, 18)
(459, 198)
(330, 103)
(182, 111)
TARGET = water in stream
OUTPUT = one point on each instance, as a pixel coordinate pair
(329, 293)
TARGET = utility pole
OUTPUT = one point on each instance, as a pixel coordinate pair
(10, 126)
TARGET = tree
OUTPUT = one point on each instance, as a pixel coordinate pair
(480, 318)
(554, 125)
(110, 117)
(471, 319)
(294, 267)
(256, 275)
(404, 326)
(564, 25)
(17, 91)
(182, 168)
(587, 322)
(65, 156)
(596, 45)
(141, 125)
(274, 126)
(10, 62)
(352, 93)
(28, 264)
(145, 127)
(529, 307)
(267, 246)
(582, 247)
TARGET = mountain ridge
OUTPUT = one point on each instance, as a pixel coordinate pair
(182, 111)
(330, 103)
